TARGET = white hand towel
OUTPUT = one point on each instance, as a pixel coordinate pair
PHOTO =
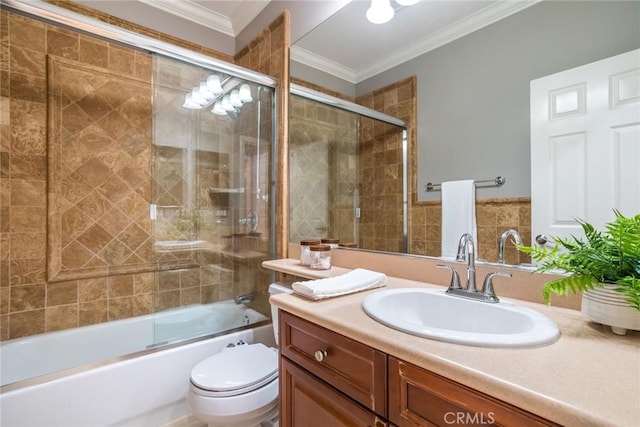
(353, 281)
(458, 214)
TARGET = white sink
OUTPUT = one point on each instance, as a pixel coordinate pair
(431, 313)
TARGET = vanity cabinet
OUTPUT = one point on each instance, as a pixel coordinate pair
(418, 397)
(327, 379)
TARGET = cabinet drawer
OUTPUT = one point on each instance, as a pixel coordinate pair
(421, 398)
(307, 401)
(355, 369)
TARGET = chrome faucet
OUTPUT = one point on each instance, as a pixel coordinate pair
(242, 299)
(503, 240)
(467, 252)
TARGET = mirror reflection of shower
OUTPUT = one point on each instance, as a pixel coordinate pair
(347, 173)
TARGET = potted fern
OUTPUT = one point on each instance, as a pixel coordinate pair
(605, 266)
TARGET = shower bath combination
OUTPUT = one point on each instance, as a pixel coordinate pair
(157, 213)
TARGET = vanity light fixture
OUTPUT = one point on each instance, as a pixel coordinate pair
(225, 96)
(381, 11)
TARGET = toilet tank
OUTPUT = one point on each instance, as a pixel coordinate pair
(274, 289)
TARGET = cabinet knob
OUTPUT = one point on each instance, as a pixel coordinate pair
(320, 355)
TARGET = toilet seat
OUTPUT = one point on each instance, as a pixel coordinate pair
(235, 371)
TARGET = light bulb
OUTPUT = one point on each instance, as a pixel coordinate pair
(407, 2)
(205, 92)
(234, 98)
(219, 109)
(380, 11)
(213, 83)
(245, 93)
(226, 103)
(190, 103)
(195, 99)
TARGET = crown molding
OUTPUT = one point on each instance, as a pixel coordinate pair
(211, 19)
(246, 13)
(478, 20)
(323, 64)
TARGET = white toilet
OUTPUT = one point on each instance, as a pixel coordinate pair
(239, 385)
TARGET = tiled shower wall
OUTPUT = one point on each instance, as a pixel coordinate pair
(381, 165)
(323, 151)
(95, 224)
(30, 302)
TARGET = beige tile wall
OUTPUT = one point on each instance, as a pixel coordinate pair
(99, 174)
(323, 150)
(93, 224)
(493, 217)
(381, 165)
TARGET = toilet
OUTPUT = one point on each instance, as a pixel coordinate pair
(239, 385)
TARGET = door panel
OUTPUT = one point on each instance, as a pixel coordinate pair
(585, 145)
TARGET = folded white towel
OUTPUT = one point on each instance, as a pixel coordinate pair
(458, 215)
(353, 281)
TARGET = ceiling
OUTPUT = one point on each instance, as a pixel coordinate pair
(346, 45)
(349, 47)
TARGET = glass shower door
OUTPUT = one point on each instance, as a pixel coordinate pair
(213, 139)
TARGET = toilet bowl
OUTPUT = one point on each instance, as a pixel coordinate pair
(239, 385)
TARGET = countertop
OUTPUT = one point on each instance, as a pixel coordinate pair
(589, 377)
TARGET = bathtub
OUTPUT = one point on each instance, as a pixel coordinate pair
(45, 353)
(92, 376)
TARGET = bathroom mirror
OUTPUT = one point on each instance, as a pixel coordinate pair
(473, 100)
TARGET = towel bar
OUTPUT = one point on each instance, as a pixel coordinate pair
(496, 182)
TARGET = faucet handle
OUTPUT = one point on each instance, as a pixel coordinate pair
(455, 277)
(488, 293)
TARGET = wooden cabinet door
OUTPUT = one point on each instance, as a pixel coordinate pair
(306, 401)
(355, 369)
(421, 398)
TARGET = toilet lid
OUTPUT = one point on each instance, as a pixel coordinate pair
(236, 370)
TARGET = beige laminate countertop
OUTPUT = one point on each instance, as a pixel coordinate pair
(589, 377)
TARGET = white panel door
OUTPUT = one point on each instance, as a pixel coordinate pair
(585, 145)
